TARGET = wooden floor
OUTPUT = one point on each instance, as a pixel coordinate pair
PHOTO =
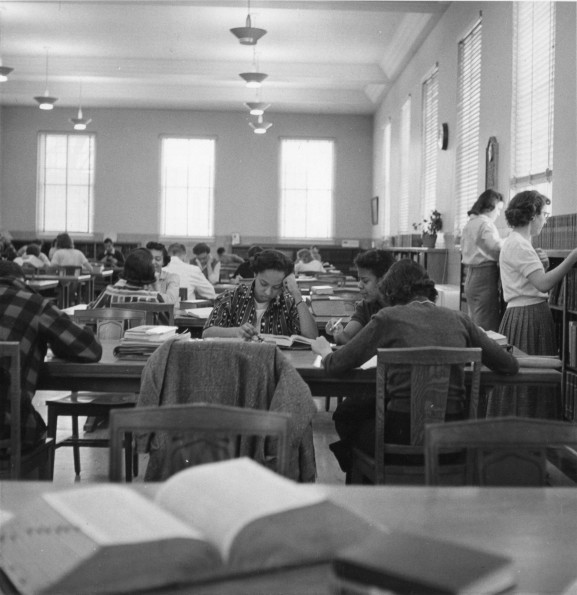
(94, 461)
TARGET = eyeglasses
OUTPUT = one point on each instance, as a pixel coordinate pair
(546, 214)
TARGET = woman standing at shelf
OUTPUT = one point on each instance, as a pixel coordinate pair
(480, 246)
(528, 322)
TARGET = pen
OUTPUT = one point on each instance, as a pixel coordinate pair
(335, 324)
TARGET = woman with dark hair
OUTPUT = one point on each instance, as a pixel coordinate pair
(244, 270)
(271, 304)
(137, 274)
(166, 284)
(66, 255)
(372, 266)
(210, 267)
(527, 322)
(411, 320)
(307, 264)
(480, 246)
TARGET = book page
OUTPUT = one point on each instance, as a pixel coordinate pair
(221, 498)
(113, 515)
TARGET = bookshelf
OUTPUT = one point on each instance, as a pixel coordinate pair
(558, 238)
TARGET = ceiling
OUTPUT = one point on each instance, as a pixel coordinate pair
(321, 56)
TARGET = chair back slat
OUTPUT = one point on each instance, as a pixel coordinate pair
(199, 424)
(154, 311)
(110, 323)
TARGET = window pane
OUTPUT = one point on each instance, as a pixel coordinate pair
(430, 149)
(306, 204)
(187, 187)
(65, 183)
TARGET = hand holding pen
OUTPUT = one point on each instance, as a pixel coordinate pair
(334, 326)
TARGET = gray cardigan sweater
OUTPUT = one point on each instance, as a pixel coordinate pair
(240, 374)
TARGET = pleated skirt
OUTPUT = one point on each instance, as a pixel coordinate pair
(531, 329)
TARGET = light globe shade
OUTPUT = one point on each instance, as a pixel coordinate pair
(253, 79)
(260, 127)
(46, 102)
(79, 122)
(257, 108)
(248, 35)
(4, 72)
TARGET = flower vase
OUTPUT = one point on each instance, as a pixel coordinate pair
(429, 240)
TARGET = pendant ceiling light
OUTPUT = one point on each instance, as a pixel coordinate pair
(4, 70)
(253, 80)
(46, 102)
(248, 35)
(79, 122)
(257, 108)
(261, 126)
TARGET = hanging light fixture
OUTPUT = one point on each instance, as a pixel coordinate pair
(261, 126)
(79, 122)
(257, 108)
(4, 70)
(46, 102)
(248, 35)
(253, 80)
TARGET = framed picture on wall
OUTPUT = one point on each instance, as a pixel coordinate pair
(375, 210)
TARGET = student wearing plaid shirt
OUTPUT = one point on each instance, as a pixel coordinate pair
(36, 324)
(272, 304)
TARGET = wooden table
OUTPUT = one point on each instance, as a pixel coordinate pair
(86, 281)
(113, 375)
(534, 526)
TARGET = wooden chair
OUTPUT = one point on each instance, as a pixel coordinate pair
(18, 465)
(110, 324)
(156, 313)
(201, 432)
(430, 369)
(504, 451)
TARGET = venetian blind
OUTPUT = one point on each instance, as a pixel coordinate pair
(533, 84)
(386, 218)
(405, 166)
(65, 189)
(187, 187)
(468, 122)
(429, 143)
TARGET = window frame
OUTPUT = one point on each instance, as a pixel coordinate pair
(429, 141)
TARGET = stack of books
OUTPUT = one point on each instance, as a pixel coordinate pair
(141, 341)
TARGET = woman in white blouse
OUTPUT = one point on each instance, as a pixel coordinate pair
(480, 246)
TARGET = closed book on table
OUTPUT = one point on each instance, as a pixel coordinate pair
(416, 564)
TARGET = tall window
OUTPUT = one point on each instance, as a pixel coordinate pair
(187, 187)
(533, 82)
(386, 218)
(430, 149)
(405, 166)
(306, 202)
(468, 122)
(65, 194)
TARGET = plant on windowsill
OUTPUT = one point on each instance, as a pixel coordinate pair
(429, 228)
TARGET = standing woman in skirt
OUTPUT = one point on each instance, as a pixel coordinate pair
(480, 245)
(527, 322)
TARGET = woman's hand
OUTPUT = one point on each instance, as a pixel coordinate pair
(247, 331)
(321, 346)
(334, 327)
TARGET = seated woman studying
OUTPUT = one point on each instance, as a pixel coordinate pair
(272, 304)
(411, 320)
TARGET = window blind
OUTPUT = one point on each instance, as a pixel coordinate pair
(405, 166)
(468, 122)
(533, 88)
(187, 187)
(430, 94)
(386, 218)
(65, 189)
(306, 197)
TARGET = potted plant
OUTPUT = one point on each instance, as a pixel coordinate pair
(429, 228)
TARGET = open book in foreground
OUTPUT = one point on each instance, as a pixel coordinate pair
(206, 523)
(287, 342)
